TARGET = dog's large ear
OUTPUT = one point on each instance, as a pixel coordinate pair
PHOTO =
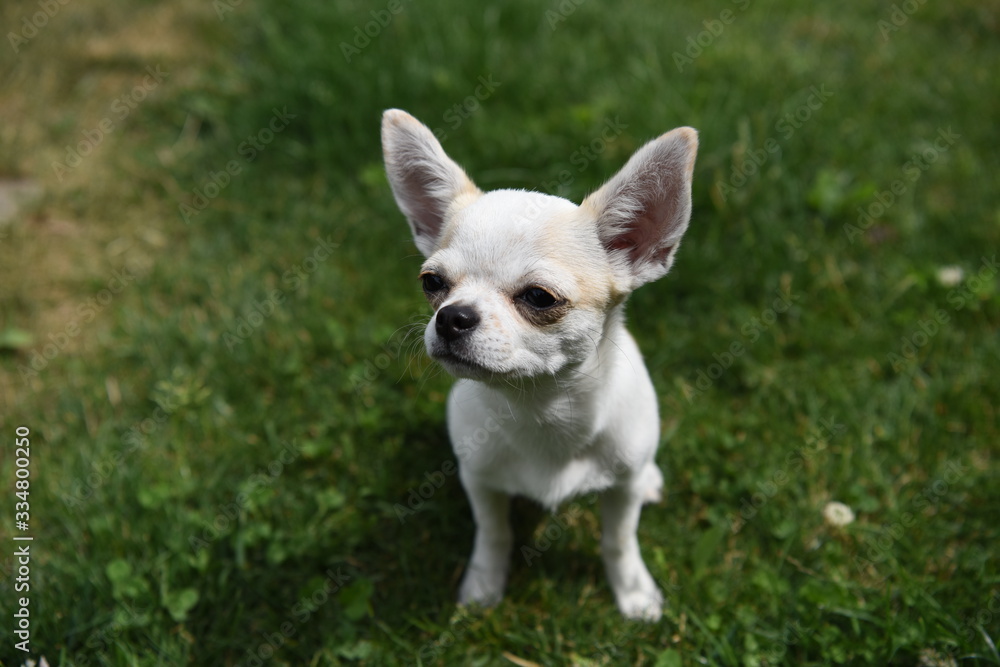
(643, 211)
(425, 181)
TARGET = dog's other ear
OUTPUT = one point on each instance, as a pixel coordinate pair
(643, 211)
(425, 181)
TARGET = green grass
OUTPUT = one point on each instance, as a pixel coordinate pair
(219, 455)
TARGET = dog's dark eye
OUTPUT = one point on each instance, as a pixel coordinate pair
(536, 297)
(432, 282)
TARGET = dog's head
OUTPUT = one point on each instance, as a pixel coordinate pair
(522, 283)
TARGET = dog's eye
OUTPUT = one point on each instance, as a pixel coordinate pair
(432, 282)
(536, 297)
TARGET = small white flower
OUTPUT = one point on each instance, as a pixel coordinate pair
(949, 276)
(931, 658)
(837, 514)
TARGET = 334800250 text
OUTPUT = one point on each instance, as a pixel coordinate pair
(22, 520)
(22, 461)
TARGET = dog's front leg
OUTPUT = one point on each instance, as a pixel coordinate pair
(636, 592)
(486, 574)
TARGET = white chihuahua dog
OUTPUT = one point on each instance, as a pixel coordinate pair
(528, 291)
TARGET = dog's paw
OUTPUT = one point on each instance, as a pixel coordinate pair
(652, 484)
(642, 604)
(482, 587)
(636, 592)
(652, 495)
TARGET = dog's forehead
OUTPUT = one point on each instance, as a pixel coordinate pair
(513, 228)
(510, 213)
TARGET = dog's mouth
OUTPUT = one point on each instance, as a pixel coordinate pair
(462, 365)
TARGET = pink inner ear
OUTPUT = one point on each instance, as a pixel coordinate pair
(427, 210)
(652, 221)
(643, 211)
(424, 180)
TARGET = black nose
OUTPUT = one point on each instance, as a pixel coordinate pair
(455, 321)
